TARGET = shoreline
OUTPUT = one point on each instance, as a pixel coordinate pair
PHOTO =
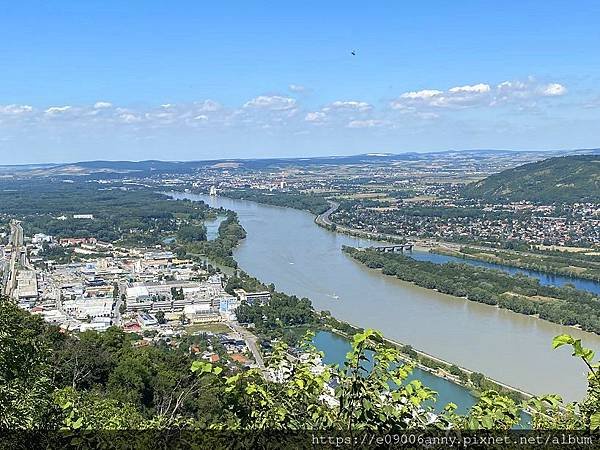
(450, 377)
(438, 247)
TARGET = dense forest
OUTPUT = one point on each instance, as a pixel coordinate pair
(128, 214)
(192, 241)
(566, 179)
(519, 293)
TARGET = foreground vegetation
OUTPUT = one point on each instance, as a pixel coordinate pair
(519, 293)
(90, 381)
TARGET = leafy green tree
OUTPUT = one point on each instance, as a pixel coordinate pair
(25, 372)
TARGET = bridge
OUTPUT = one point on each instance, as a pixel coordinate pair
(396, 248)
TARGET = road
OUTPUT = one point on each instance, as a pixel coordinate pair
(16, 243)
(251, 340)
(324, 220)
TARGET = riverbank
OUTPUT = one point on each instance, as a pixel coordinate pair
(442, 369)
(521, 260)
(428, 363)
(575, 273)
(523, 295)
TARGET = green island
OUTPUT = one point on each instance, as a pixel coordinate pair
(313, 203)
(518, 293)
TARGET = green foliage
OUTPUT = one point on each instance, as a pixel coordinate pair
(130, 215)
(567, 179)
(220, 250)
(577, 265)
(370, 394)
(492, 412)
(93, 381)
(191, 233)
(25, 383)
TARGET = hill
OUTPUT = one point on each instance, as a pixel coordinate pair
(565, 179)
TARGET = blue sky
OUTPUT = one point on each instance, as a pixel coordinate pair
(194, 80)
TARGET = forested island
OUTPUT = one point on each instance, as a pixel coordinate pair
(518, 293)
(313, 203)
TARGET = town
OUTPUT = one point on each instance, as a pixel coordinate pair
(150, 292)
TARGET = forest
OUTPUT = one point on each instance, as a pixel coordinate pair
(567, 179)
(131, 215)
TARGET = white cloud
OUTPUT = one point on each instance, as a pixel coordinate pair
(349, 105)
(102, 105)
(128, 117)
(316, 116)
(296, 88)
(15, 110)
(554, 89)
(476, 95)
(208, 106)
(480, 88)
(55, 110)
(421, 95)
(272, 103)
(369, 123)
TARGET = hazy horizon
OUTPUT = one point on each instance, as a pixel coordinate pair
(292, 157)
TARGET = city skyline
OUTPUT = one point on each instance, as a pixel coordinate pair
(122, 81)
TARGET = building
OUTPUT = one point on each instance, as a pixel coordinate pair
(67, 242)
(27, 285)
(147, 320)
(261, 297)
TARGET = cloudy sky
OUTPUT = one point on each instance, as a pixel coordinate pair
(198, 80)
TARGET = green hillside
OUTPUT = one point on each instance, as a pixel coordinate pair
(566, 179)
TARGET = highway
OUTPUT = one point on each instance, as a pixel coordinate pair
(252, 346)
(16, 243)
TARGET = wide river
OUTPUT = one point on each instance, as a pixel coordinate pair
(285, 247)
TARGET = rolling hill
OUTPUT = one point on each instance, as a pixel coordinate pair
(565, 179)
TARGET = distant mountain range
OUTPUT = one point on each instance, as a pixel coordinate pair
(154, 166)
(563, 179)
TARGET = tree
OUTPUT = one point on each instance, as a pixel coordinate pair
(191, 233)
(25, 383)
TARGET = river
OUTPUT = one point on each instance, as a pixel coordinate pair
(335, 348)
(544, 278)
(285, 247)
